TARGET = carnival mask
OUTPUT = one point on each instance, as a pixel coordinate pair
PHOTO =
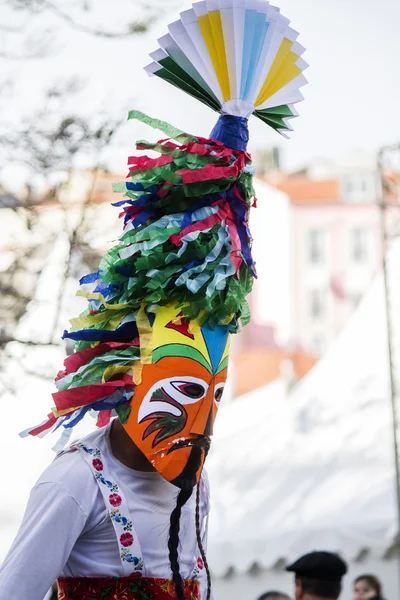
(177, 401)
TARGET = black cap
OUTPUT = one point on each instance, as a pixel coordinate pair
(324, 566)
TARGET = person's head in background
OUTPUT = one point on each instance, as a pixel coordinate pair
(274, 596)
(318, 576)
(367, 587)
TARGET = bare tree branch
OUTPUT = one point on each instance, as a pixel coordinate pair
(28, 55)
(50, 146)
(7, 339)
(104, 135)
(139, 26)
(134, 28)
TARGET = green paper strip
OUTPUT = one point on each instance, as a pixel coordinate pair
(123, 412)
(166, 128)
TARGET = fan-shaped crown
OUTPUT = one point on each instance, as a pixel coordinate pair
(240, 57)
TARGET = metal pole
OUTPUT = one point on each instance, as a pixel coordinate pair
(389, 325)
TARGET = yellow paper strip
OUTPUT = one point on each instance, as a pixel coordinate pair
(137, 373)
(195, 328)
(100, 298)
(145, 335)
(283, 71)
(62, 413)
(93, 320)
(115, 370)
(227, 320)
(211, 29)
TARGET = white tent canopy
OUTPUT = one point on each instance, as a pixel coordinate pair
(314, 468)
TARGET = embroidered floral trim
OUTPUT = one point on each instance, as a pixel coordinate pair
(122, 524)
(198, 568)
(115, 504)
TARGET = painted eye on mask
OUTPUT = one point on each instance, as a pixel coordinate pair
(171, 395)
(193, 391)
(218, 393)
(163, 408)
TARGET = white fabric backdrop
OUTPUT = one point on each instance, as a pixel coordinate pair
(312, 469)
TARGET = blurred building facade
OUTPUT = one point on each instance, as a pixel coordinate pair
(318, 246)
(337, 251)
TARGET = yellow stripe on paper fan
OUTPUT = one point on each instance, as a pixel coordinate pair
(283, 70)
(211, 29)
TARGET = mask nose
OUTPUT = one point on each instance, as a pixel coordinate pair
(204, 421)
(210, 424)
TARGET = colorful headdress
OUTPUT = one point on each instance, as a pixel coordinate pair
(153, 343)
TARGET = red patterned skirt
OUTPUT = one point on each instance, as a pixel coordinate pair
(123, 588)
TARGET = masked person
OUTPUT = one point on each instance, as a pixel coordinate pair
(115, 515)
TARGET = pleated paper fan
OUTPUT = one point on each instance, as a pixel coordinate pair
(239, 57)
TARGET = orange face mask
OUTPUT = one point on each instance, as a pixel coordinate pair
(177, 401)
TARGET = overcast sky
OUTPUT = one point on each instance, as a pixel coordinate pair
(352, 100)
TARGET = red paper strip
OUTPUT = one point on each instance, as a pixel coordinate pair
(104, 418)
(208, 172)
(78, 359)
(239, 196)
(209, 141)
(82, 396)
(164, 191)
(236, 245)
(51, 421)
(201, 225)
(140, 163)
(131, 210)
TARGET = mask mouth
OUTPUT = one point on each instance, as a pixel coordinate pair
(203, 442)
(199, 448)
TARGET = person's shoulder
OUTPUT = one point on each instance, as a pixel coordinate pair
(70, 471)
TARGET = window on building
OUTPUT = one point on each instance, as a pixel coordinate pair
(358, 187)
(317, 307)
(316, 246)
(359, 245)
